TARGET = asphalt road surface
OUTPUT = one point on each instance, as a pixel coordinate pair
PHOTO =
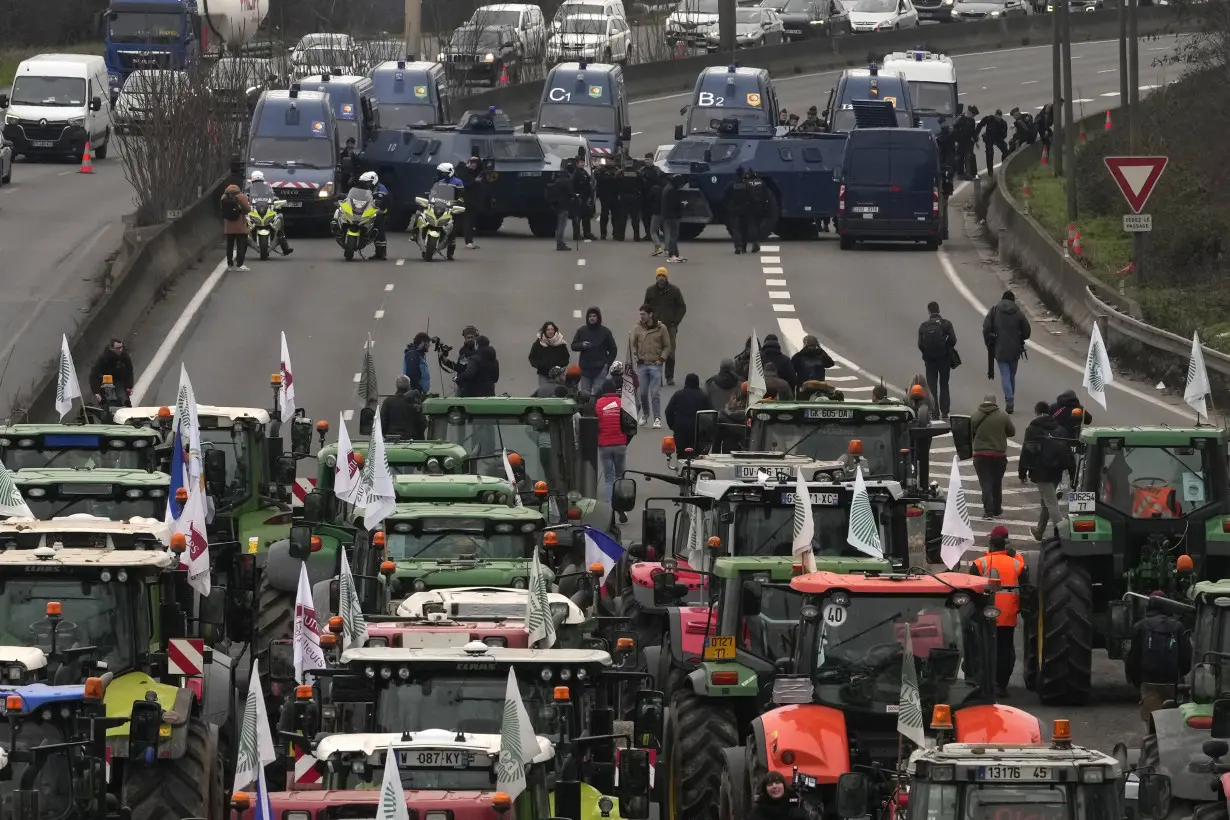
(864, 305)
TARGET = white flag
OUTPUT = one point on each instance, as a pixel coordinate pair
(354, 625)
(756, 389)
(255, 740)
(804, 523)
(627, 387)
(957, 534)
(512, 479)
(286, 392)
(518, 744)
(188, 426)
(392, 804)
(696, 538)
(308, 654)
(346, 470)
(67, 386)
(864, 531)
(1197, 391)
(366, 388)
(909, 710)
(377, 496)
(1097, 368)
(12, 505)
(538, 619)
(192, 523)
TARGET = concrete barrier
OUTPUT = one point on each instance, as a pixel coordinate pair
(149, 259)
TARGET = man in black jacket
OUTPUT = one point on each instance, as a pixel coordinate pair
(669, 309)
(116, 363)
(583, 199)
(1045, 456)
(595, 345)
(1068, 412)
(628, 198)
(482, 371)
(681, 412)
(651, 201)
(672, 217)
(401, 414)
(994, 131)
(1006, 330)
(771, 354)
(936, 342)
(608, 201)
(1159, 657)
(559, 198)
(475, 196)
(738, 206)
(811, 362)
(965, 132)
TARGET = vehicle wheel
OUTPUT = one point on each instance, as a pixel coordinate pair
(488, 224)
(733, 792)
(933, 244)
(795, 229)
(542, 225)
(262, 247)
(691, 230)
(275, 615)
(189, 786)
(352, 245)
(1029, 642)
(700, 729)
(846, 243)
(1065, 625)
(429, 249)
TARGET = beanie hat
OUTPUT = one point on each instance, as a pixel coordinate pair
(661, 272)
(999, 532)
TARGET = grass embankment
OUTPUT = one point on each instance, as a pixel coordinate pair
(1185, 263)
(10, 58)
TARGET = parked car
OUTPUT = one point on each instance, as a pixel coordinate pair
(883, 15)
(603, 8)
(605, 39)
(690, 22)
(483, 54)
(754, 26)
(525, 20)
(971, 11)
(803, 19)
(317, 54)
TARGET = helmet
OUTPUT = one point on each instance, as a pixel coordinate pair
(369, 179)
(445, 170)
(257, 176)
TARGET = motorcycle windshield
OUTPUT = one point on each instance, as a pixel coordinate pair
(360, 200)
(262, 191)
(442, 195)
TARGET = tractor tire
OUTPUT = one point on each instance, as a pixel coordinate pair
(1210, 811)
(1029, 641)
(701, 728)
(1065, 608)
(190, 786)
(275, 615)
(733, 795)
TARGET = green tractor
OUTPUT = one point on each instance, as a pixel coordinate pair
(114, 494)
(1150, 512)
(80, 447)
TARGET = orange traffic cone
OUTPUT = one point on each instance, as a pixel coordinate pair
(1025, 190)
(87, 160)
(1076, 244)
(1046, 156)
(1071, 233)
(1083, 138)
(503, 75)
(1107, 126)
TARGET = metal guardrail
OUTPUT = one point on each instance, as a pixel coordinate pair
(1156, 338)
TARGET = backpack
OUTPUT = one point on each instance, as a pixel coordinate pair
(1159, 655)
(230, 206)
(1054, 453)
(933, 340)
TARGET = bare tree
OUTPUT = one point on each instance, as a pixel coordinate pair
(1208, 46)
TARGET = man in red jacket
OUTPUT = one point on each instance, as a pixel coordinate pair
(612, 441)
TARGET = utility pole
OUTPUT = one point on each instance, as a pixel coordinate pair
(1125, 113)
(1059, 126)
(1069, 129)
(414, 29)
(1132, 104)
(726, 26)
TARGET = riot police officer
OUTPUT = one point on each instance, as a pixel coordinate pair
(583, 192)
(380, 198)
(760, 197)
(738, 206)
(651, 177)
(608, 201)
(628, 202)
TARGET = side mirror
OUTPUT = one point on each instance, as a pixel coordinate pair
(752, 590)
(300, 542)
(215, 468)
(313, 509)
(626, 134)
(623, 495)
(653, 529)
(213, 607)
(1221, 719)
(633, 789)
(852, 795)
(648, 719)
(285, 469)
(95, 104)
(678, 132)
(527, 126)
(683, 111)
(1153, 797)
(4, 100)
(962, 436)
(667, 590)
(706, 430)
(1204, 683)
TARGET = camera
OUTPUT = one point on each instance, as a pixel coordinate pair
(440, 346)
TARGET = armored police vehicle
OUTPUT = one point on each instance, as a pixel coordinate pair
(411, 95)
(294, 141)
(933, 84)
(869, 83)
(587, 99)
(354, 105)
(735, 92)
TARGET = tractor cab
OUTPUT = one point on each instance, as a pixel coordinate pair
(117, 495)
(79, 447)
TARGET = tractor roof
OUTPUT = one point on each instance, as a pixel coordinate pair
(499, 406)
(30, 657)
(720, 488)
(28, 533)
(1155, 436)
(1221, 587)
(981, 755)
(225, 416)
(781, 568)
(399, 452)
(375, 744)
(101, 430)
(943, 583)
(102, 558)
(481, 604)
(34, 476)
(827, 410)
(477, 653)
(491, 512)
(429, 488)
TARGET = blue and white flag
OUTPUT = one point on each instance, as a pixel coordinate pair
(179, 479)
(262, 810)
(601, 548)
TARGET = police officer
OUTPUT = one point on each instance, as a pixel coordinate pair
(1159, 657)
(1012, 577)
(946, 144)
(651, 177)
(604, 184)
(759, 194)
(813, 122)
(994, 132)
(380, 197)
(738, 205)
(964, 132)
(628, 202)
(471, 175)
(346, 159)
(583, 197)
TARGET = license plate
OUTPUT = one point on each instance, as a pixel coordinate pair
(828, 414)
(530, 173)
(794, 31)
(1020, 773)
(431, 759)
(755, 472)
(817, 499)
(293, 204)
(1082, 502)
(43, 144)
(866, 209)
(720, 648)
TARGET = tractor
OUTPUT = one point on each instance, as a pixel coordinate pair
(1150, 512)
(114, 494)
(80, 447)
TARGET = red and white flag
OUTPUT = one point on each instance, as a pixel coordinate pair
(346, 471)
(308, 654)
(286, 393)
(192, 523)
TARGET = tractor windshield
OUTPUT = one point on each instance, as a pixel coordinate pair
(95, 614)
(233, 444)
(434, 544)
(486, 439)
(52, 777)
(761, 529)
(860, 649)
(1155, 482)
(46, 507)
(829, 441)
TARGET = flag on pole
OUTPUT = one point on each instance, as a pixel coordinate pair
(392, 804)
(804, 523)
(518, 744)
(601, 548)
(1097, 368)
(512, 479)
(864, 532)
(188, 426)
(192, 523)
(366, 387)
(12, 505)
(286, 391)
(909, 711)
(1197, 391)
(354, 625)
(67, 386)
(308, 654)
(756, 389)
(346, 470)
(255, 740)
(538, 617)
(696, 538)
(627, 388)
(377, 496)
(957, 534)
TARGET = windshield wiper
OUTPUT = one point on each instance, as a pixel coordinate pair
(805, 438)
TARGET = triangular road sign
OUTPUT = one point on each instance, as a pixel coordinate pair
(1136, 177)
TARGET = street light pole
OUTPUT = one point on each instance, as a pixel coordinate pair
(1125, 113)
(1069, 130)
(1059, 126)
(1132, 104)
(414, 29)
(726, 25)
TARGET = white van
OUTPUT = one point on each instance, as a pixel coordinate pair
(57, 103)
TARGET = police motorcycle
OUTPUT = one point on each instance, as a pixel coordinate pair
(435, 229)
(265, 223)
(354, 221)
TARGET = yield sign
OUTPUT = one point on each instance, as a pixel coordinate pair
(1136, 177)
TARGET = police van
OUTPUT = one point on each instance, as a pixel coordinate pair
(589, 100)
(933, 84)
(294, 142)
(354, 105)
(411, 94)
(743, 94)
(869, 83)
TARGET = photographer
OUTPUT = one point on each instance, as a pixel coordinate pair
(469, 344)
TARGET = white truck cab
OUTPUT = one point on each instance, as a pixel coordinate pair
(57, 104)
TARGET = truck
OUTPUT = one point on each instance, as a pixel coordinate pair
(174, 34)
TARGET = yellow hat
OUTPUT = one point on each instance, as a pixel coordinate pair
(660, 272)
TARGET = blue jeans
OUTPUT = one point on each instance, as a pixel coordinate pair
(612, 461)
(651, 388)
(592, 385)
(1007, 375)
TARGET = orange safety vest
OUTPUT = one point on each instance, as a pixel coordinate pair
(1154, 502)
(1008, 599)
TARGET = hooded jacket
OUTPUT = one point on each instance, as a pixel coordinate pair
(650, 345)
(810, 363)
(1006, 329)
(116, 365)
(992, 428)
(681, 412)
(602, 350)
(548, 353)
(723, 384)
(1031, 464)
(481, 373)
(667, 303)
(771, 351)
(1061, 412)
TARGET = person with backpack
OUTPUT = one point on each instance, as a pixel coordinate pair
(1070, 414)
(937, 342)
(616, 428)
(1013, 575)
(235, 207)
(1045, 457)
(1159, 657)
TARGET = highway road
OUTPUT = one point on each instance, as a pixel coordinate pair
(865, 305)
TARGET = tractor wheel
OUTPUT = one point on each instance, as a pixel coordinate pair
(189, 786)
(1029, 640)
(732, 797)
(1210, 811)
(701, 728)
(1065, 626)
(275, 615)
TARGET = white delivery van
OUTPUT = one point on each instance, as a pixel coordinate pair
(56, 104)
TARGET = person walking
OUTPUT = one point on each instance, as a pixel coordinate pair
(235, 207)
(991, 428)
(738, 206)
(401, 414)
(965, 132)
(669, 308)
(1012, 577)
(115, 362)
(937, 342)
(722, 385)
(681, 412)
(612, 440)
(811, 362)
(548, 351)
(1070, 414)
(650, 346)
(994, 131)
(1006, 329)
(653, 210)
(596, 350)
(1159, 657)
(1045, 456)
(628, 199)
(672, 217)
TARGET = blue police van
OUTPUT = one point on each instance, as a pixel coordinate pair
(411, 94)
(734, 92)
(294, 142)
(587, 99)
(868, 84)
(355, 110)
